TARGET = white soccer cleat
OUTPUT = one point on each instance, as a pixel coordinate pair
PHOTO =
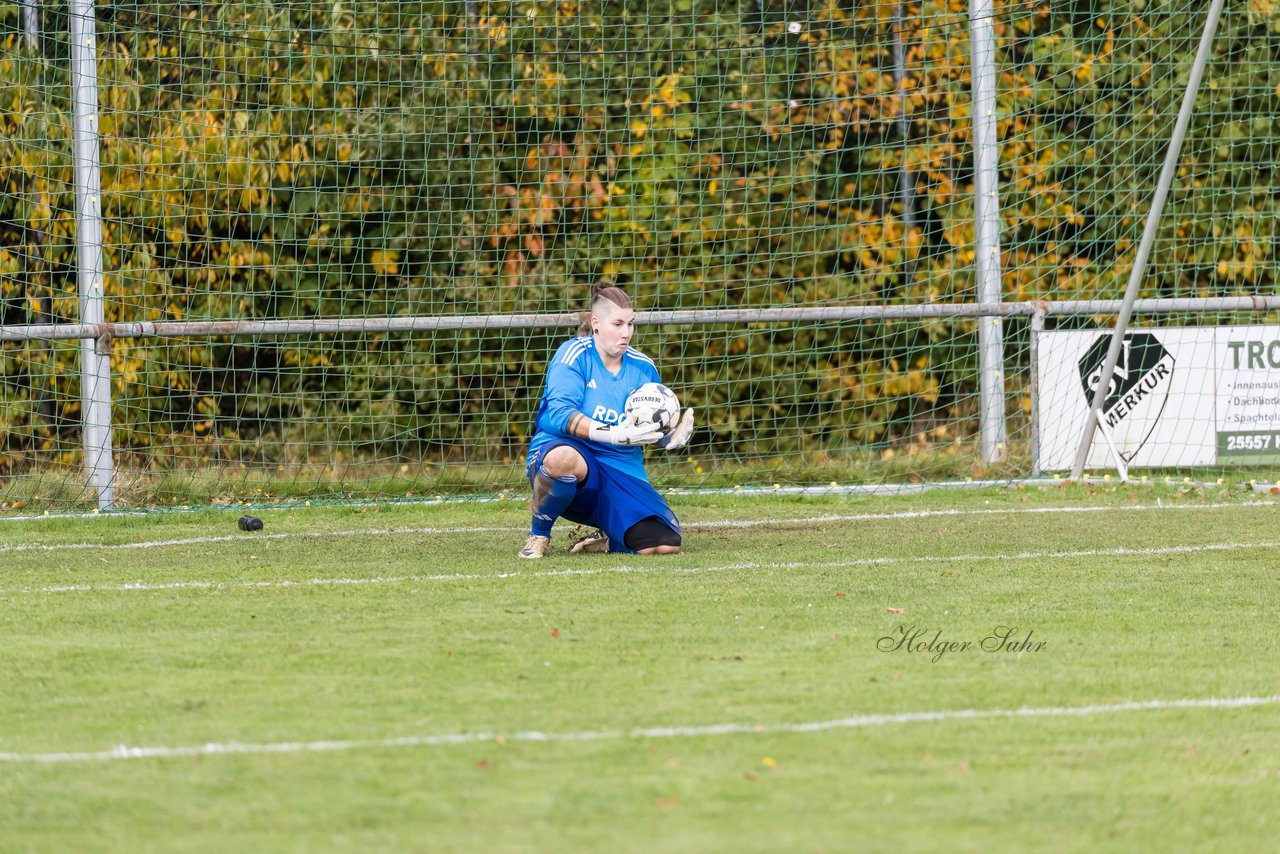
(536, 547)
(594, 543)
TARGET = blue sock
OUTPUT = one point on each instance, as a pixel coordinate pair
(551, 495)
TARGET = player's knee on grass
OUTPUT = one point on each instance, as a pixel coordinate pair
(564, 461)
(652, 536)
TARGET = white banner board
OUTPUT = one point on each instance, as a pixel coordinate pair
(1179, 397)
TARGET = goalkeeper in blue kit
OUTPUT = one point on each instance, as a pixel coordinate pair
(586, 462)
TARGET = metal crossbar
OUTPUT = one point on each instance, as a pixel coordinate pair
(429, 323)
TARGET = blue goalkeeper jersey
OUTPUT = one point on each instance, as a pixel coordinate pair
(578, 381)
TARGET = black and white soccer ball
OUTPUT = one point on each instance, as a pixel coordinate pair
(653, 405)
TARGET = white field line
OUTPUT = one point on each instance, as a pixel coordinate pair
(446, 739)
(247, 538)
(657, 565)
(726, 523)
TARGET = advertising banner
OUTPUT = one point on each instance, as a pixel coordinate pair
(1196, 396)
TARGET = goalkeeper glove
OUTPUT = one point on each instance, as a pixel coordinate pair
(622, 433)
(680, 434)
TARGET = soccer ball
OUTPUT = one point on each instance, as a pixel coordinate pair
(653, 405)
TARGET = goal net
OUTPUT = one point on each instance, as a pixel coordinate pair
(342, 240)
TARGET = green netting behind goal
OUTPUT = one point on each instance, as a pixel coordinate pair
(312, 162)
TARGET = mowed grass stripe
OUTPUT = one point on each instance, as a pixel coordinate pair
(658, 565)
(694, 525)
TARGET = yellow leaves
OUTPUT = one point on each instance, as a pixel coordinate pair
(661, 107)
(670, 93)
(210, 126)
(881, 11)
(551, 79)
(40, 217)
(357, 203)
(249, 198)
(385, 262)
(1246, 255)
(1085, 71)
(545, 211)
(127, 370)
(494, 28)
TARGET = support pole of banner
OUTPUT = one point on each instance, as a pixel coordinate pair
(1118, 460)
(1148, 235)
(95, 353)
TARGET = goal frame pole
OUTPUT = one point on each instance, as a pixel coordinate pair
(95, 353)
(1139, 271)
(986, 228)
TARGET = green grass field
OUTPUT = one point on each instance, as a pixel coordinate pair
(393, 678)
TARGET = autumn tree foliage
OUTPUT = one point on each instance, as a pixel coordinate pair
(307, 160)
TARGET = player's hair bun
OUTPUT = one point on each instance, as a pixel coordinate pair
(607, 291)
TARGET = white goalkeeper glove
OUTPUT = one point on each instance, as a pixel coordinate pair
(622, 433)
(680, 434)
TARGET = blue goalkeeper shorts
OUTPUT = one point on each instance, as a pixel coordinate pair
(611, 500)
